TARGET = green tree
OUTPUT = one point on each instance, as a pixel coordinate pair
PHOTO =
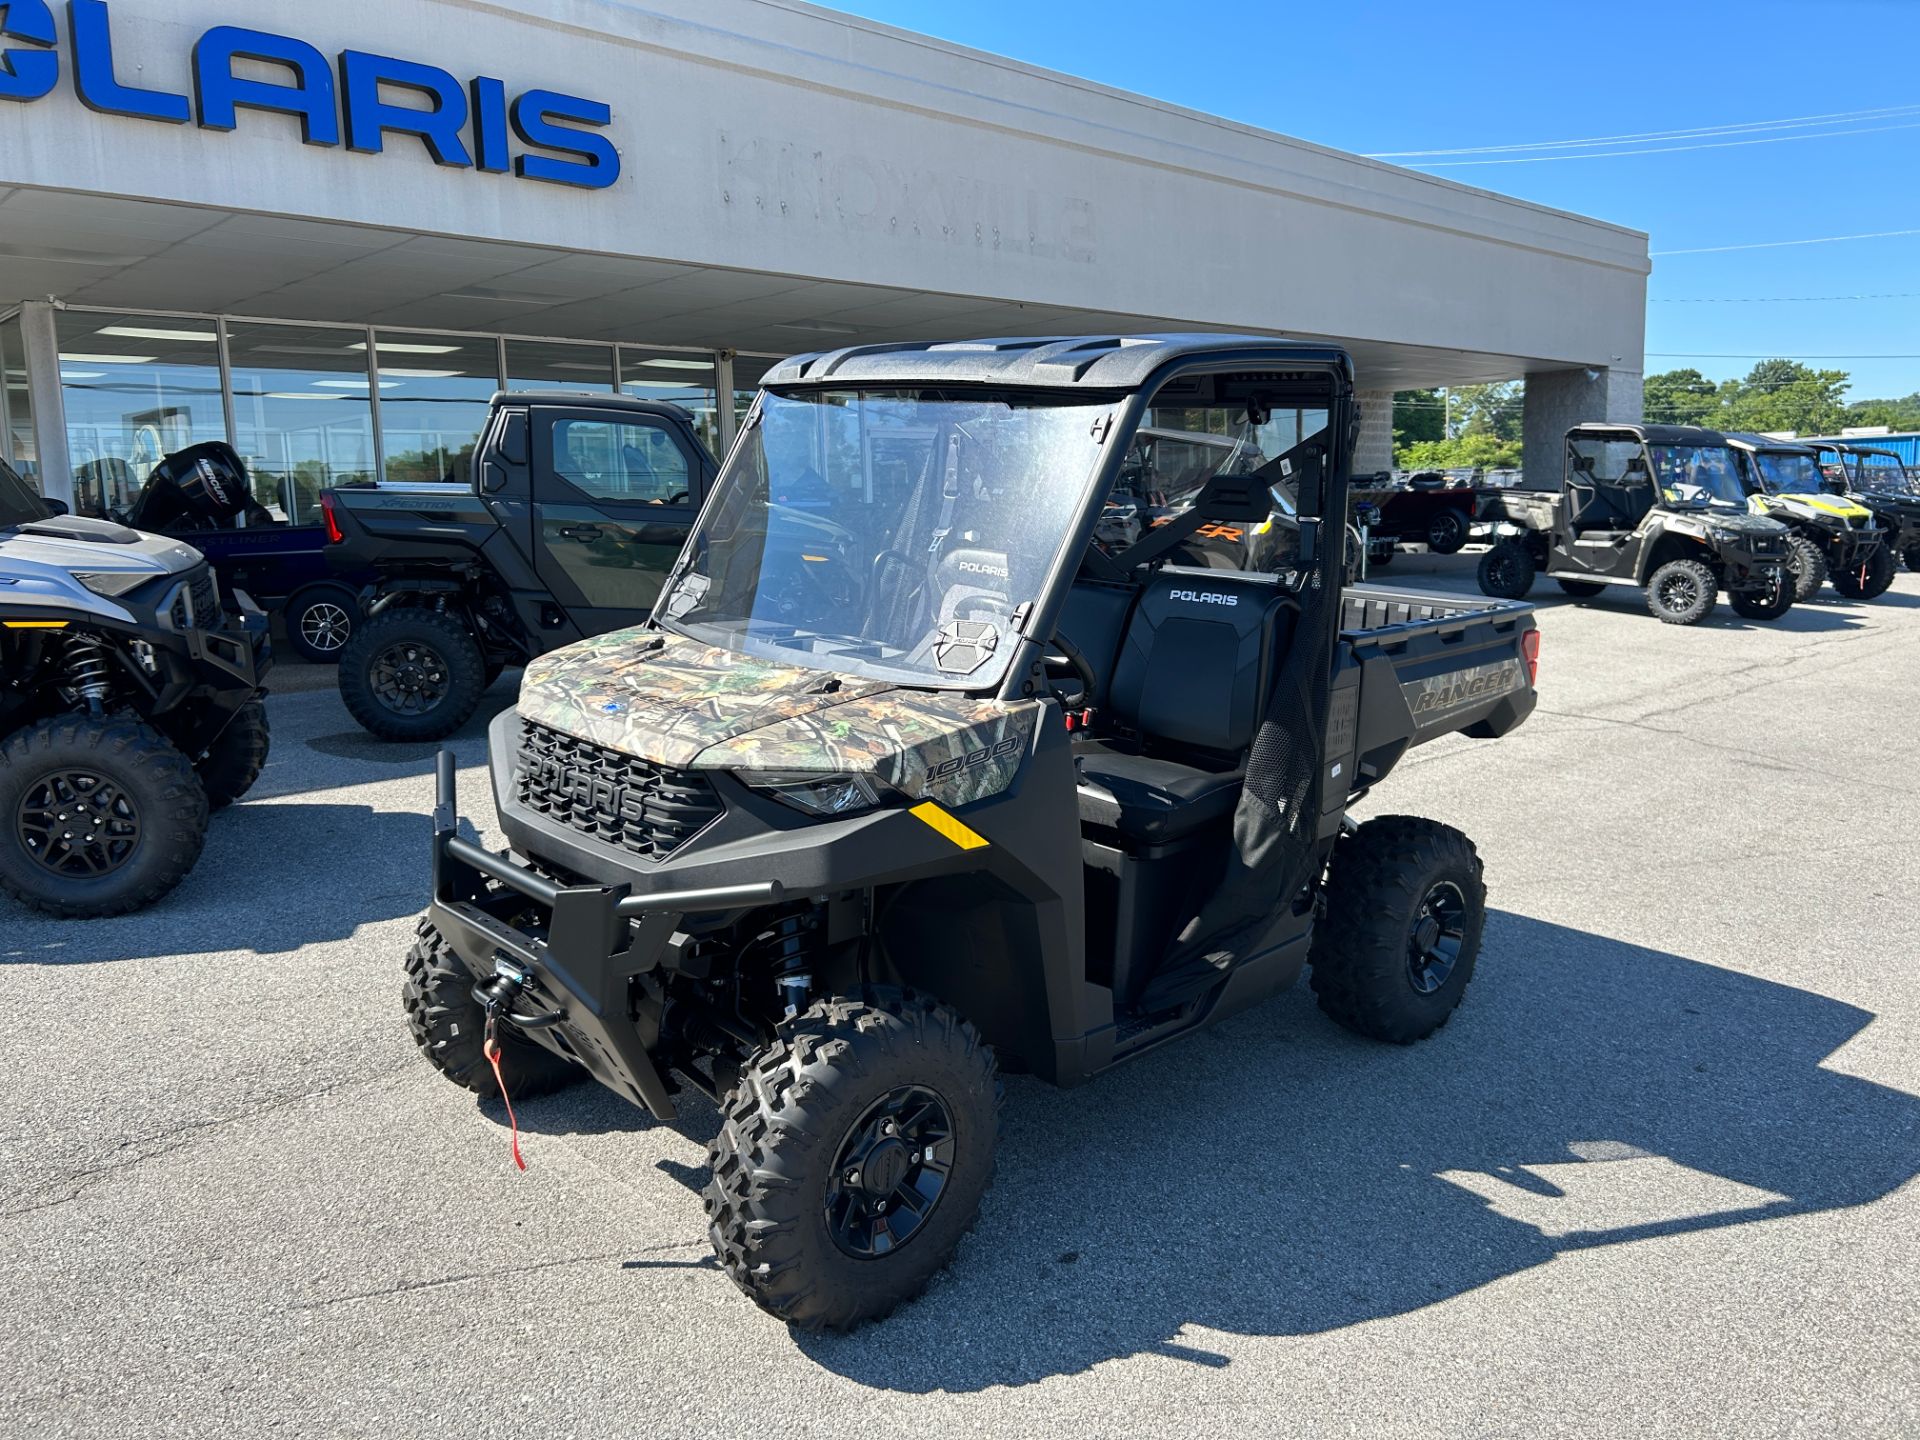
(1497, 410)
(1681, 397)
(1486, 452)
(1418, 415)
(1901, 414)
(1785, 395)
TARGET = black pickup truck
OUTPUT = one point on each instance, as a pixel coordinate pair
(577, 507)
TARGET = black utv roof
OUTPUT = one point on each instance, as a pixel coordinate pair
(602, 399)
(1652, 434)
(1104, 362)
(1767, 444)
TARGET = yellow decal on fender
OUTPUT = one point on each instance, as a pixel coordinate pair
(36, 624)
(934, 817)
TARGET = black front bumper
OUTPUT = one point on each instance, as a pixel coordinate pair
(581, 947)
(1745, 570)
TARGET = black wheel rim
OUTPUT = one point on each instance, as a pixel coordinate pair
(325, 627)
(1504, 571)
(408, 678)
(1442, 530)
(78, 823)
(890, 1172)
(1679, 593)
(1435, 938)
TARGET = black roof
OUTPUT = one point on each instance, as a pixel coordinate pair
(1653, 434)
(1105, 362)
(600, 398)
(1767, 444)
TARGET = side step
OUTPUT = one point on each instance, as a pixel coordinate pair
(1172, 988)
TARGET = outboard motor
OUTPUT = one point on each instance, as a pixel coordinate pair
(203, 487)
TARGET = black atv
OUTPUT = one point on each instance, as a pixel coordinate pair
(576, 508)
(129, 707)
(914, 775)
(1833, 537)
(1878, 479)
(1654, 506)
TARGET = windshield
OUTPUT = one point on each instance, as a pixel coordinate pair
(18, 501)
(891, 534)
(1885, 472)
(1693, 477)
(1784, 474)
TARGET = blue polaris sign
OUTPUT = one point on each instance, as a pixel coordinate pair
(472, 125)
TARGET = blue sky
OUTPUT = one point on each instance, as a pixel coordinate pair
(1378, 77)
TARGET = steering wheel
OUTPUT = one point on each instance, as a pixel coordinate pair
(1069, 656)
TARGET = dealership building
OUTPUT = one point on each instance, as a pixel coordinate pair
(327, 233)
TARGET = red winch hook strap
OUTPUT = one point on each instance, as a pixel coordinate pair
(491, 1049)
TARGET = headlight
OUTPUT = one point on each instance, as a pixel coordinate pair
(816, 794)
(112, 583)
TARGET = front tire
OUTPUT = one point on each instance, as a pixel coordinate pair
(1868, 582)
(234, 761)
(1807, 566)
(412, 674)
(450, 1026)
(1406, 905)
(1682, 592)
(852, 1157)
(97, 817)
(1506, 571)
(1764, 604)
(1447, 532)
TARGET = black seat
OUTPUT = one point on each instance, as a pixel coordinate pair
(1190, 682)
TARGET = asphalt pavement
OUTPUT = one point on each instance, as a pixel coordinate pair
(1655, 1178)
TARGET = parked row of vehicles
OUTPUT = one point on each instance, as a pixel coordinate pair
(1687, 514)
(914, 767)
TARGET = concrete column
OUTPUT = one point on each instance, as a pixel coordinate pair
(49, 407)
(1374, 452)
(1557, 400)
(726, 421)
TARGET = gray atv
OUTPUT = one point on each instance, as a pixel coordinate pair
(129, 707)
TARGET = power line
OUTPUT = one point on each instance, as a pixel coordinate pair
(1777, 299)
(1766, 355)
(1662, 149)
(1830, 118)
(1782, 244)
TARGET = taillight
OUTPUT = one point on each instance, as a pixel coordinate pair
(330, 520)
(1530, 652)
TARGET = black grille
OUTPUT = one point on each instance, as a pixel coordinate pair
(196, 604)
(617, 799)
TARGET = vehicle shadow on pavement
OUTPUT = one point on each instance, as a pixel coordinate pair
(1278, 1177)
(327, 868)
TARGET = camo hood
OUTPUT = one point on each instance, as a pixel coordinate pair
(680, 703)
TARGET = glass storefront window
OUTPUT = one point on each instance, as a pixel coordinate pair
(136, 388)
(302, 416)
(680, 378)
(545, 365)
(16, 409)
(434, 391)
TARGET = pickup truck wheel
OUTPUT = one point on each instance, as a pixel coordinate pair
(97, 817)
(1447, 532)
(450, 1026)
(1870, 580)
(1405, 908)
(1682, 592)
(852, 1157)
(1807, 566)
(412, 674)
(1506, 571)
(234, 761)
(1579, 589)
(319, 623)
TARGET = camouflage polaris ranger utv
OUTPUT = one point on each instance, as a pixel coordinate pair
(915, 775)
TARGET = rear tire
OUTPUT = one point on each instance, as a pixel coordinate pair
(450, 1027)
(1579, 589)
(1868, 583)
(234, 761)
(1506, 571)
(805, 1208)
(320, 622)
(412, 674)
(1447, 532)
(1807, 566)
(1682, 592)
(1406, 905)
(151, 816)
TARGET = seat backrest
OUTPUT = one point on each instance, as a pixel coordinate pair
(1198, 658)
(1093, 618)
